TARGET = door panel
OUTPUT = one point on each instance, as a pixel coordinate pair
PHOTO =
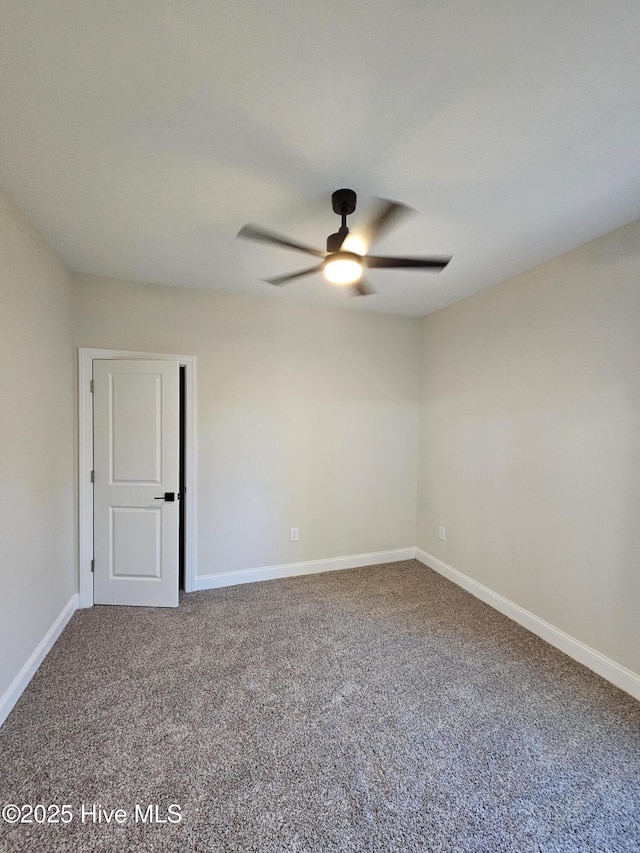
(136, 460)
(136, 428)
(136, 542)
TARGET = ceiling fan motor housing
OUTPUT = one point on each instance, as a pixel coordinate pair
(335, 241)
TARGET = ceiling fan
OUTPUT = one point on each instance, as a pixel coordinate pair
(346, 266)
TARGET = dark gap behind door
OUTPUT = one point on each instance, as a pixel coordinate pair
(182, 484)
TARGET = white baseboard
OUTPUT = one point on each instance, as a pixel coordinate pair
(17, 686)
(623, 678)
(310, 567)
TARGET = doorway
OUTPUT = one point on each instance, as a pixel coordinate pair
(182, 483)
(186, 493)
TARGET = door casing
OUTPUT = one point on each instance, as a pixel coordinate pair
(86, 356)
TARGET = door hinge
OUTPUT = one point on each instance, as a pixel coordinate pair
(93, 565)
(91, 386)
(93, 476)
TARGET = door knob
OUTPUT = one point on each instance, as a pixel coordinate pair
(168, 496)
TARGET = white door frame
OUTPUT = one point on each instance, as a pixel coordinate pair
(86, 356)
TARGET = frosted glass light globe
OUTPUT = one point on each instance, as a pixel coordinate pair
(343, 269)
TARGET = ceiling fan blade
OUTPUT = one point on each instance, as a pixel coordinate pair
(435, 264)
(283, 279)
(254, 232)
(361, 288)
(386, 214)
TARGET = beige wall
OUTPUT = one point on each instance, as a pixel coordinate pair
(307, 417)
(530, 441)
(38, 573)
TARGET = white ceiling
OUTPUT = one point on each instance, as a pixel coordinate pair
(139, 135)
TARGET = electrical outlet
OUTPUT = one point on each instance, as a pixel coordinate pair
(295, 534)
(442, 533)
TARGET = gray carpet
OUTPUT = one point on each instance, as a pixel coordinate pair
(377, 709)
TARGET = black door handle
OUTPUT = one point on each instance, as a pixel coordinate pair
(168, 496)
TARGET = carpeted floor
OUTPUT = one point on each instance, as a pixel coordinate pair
(376, 709)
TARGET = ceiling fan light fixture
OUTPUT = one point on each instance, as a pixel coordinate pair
(347, 255)
(343, 268)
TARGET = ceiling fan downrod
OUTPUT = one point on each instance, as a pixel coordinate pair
(343, 203)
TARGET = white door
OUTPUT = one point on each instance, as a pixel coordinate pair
(136, 428)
